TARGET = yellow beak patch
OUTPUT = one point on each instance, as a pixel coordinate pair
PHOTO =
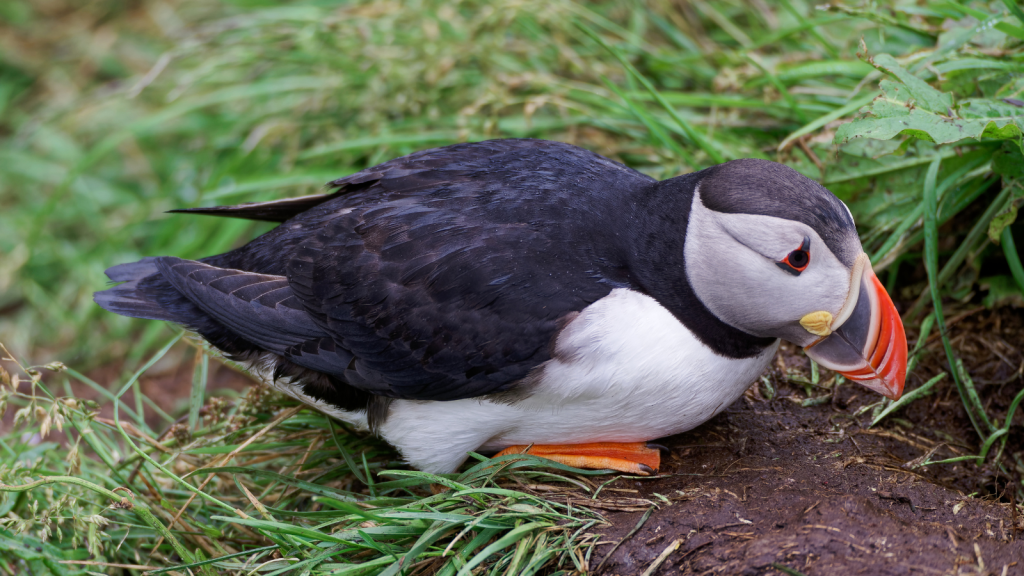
(818, 323)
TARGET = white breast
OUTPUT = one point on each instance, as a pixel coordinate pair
(624, 370)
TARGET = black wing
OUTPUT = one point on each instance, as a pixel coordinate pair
(440, 275)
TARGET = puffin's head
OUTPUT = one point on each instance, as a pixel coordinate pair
(775, 254)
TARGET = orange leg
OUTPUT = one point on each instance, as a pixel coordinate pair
(638, 458)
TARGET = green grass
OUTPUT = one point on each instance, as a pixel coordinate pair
(111, 115)
(305, 508)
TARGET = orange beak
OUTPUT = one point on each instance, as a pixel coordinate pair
(869, 346)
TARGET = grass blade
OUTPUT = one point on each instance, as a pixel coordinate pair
(652, 126)
(920, 392)
(690, 132)
(774, 80)
(198, 395)
(976, 235)
(825, 43)
(309, 487)
(512, 537)
(975, 411)
(818, 123)
(1015, 9)
(1012, 257)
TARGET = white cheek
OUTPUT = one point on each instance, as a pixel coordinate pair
(731, 264)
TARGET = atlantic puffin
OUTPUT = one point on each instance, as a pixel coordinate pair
(518, 294)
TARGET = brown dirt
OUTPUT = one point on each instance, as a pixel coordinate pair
(770, 485)
(773, 482)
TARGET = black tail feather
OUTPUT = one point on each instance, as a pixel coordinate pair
(129, 299)
(146, 294)
(273, 211)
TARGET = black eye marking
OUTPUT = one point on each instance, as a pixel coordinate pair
(797, 261)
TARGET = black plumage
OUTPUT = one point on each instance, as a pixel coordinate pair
(440, 275)
(437, 276)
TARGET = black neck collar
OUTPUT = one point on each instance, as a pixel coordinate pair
(659, 269)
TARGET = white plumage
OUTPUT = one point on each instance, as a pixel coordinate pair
(625, 370)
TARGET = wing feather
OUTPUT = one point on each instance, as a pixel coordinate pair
(215, 291)
(437, 276)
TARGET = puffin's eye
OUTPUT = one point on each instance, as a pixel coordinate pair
(796, 261)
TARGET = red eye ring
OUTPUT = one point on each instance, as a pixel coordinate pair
(798, 260)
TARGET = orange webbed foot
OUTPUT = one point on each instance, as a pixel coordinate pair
(640, 458)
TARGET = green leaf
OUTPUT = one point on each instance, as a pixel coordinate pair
(1008, 161)
(1000, 221)
(923, 94)
(1002, 291)
(897, 113)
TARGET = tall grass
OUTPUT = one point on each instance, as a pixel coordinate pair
(110, 115)
(246, 490)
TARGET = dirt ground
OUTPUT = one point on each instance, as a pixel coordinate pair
(776, 487)
(775, 483)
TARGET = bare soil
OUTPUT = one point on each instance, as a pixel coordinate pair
(775, 483)
(779, 487)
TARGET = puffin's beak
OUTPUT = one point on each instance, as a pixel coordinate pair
(867, 343)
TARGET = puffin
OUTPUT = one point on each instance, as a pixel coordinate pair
(530, 296)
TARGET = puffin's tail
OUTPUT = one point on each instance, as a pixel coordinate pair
(145, 293)
(141, 293)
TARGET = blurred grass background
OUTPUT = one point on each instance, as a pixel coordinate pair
(114, 111)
